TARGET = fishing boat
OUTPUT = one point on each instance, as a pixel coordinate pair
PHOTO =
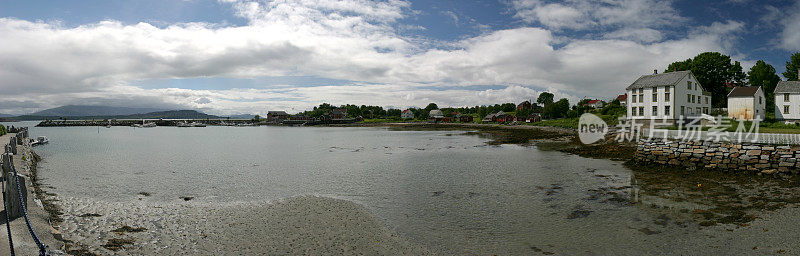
(40, 140)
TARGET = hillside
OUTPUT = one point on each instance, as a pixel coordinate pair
(79, 110)
(171, 114)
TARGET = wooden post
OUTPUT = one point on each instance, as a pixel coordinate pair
(13, 144)
(11, 193)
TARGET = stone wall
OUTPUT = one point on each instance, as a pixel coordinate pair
(756, 158)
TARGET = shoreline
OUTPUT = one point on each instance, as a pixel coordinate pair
(135, 234)
(41, 217)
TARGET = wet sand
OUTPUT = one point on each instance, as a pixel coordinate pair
(306, 225)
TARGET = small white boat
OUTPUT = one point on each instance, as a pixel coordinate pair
(40, 140)
(149, 125)
(196, 124)
(183, 124)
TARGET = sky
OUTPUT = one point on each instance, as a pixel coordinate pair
(240, 56)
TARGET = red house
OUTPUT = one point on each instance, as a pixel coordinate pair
(339, 113)
(524, 105)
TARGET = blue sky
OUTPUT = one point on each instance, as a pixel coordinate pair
(229, 56)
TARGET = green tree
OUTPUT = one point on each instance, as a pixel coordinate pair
(714, 71)
(392, 112)
(558, 109)
(431, 106)
(791, 67)
(545, 98)
(764, 75)
(525, 112)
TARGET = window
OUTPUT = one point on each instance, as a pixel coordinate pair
(666, 93)
(759, 101)
(706, 100)
(698, 111)
(692, 98)
(666, 110)
(705, 110)
(633, 111)
(641, 111)
(688, 98)
(786, 109)
(682, 113)
(655, 111)
(786, 97)
(688, 85)
(655, 95)
(695, 87)
(633, 98)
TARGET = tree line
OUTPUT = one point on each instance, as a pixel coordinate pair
(717, 73)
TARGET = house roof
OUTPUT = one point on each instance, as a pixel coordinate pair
(407, 111)
(655, 80)
(276, 113)
(788, 87)
(593, 101)
(622, 97)
(749, 91)
(436, 113)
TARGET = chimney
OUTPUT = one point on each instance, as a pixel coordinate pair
(655, 71)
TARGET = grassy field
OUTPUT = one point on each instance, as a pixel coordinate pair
(572, 123)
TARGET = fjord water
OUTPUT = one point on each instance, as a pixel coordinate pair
(449, 192)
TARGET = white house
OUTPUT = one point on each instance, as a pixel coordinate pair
(787, 101)
(747, 103)
(407, 114)
(435, 116)
(667, 96)
(594, 104)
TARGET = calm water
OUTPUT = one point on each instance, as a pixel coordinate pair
(446, 191)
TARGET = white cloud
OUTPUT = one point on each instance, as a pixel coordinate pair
(635, 34)
(354, 40)
(581, 14)
(789, 20)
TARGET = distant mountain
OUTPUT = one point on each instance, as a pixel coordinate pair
(77, 110)
(171, 114)
(242, 116)
(5, 115)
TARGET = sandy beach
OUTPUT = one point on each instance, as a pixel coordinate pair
(307, 225)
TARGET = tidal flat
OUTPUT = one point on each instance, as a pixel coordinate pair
(408, 190)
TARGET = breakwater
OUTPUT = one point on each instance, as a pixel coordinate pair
(725, 156)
